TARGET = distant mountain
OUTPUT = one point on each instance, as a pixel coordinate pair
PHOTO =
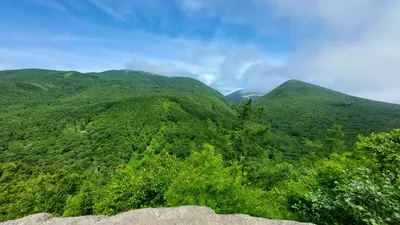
(32, 83)
(307, 110)
(74, 119)
(241, 96)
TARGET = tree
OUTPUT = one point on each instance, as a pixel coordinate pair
(333, 141)
(247, 138)
(204, 180)
(361, 197)
(383, 148)
(369, 194)
(245, 113)
(131, 188)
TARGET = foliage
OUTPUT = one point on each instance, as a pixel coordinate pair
(30, 189)
(333, 140)
(131, 189)
(360, 198)
(82, 203)
(305, 110)
(358, 195)
(205, 181)
(76, 144)
(384, 148)
(331, 143)
(246, 138)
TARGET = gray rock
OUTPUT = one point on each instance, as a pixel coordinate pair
(167, 216)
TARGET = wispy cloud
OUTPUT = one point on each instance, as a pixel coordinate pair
(115, 10)
(358, 61)
(57, 38)
(56, 4)
(350, 46)
(354, 48)
(122, 10)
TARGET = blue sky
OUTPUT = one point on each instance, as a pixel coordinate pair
(227, 44)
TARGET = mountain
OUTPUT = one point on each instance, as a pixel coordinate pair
(72, 119)
(32, 83)
(303, 109)
(241, 96)
(74, 144)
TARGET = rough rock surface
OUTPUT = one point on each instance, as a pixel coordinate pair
(179, 215)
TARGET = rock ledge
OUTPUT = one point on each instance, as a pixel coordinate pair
(178, 215)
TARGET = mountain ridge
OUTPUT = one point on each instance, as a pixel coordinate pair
(317, 108)
(123, 74)
(306, 85)
(75, 144)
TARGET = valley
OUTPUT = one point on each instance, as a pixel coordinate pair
(75, 144)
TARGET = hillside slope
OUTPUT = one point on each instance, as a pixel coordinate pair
(73, 119)
(307, 110)
(75, 144)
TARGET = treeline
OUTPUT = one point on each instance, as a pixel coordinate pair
(231, 165)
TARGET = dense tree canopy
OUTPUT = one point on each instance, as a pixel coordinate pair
(76, 144)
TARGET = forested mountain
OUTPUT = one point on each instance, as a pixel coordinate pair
(302, 109)
(102, 143)
(240, 96)
(70, 118)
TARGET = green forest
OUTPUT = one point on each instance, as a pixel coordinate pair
(75, 144)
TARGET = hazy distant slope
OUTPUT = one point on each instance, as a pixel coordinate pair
(241, 96)
(307, 110)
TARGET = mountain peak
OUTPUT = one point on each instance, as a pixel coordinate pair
(316, 108)
(298, 87)
(297, 82)
(242, 95)
(294, 81)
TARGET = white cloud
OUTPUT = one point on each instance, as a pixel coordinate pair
(229, 90)
(389, 95)
(355, 49)
(340, 14)
(225, 61)
(158, 66)
(350, 46)
(366, 64)
(207, 78)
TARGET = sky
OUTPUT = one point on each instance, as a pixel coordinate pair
(349, 46)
